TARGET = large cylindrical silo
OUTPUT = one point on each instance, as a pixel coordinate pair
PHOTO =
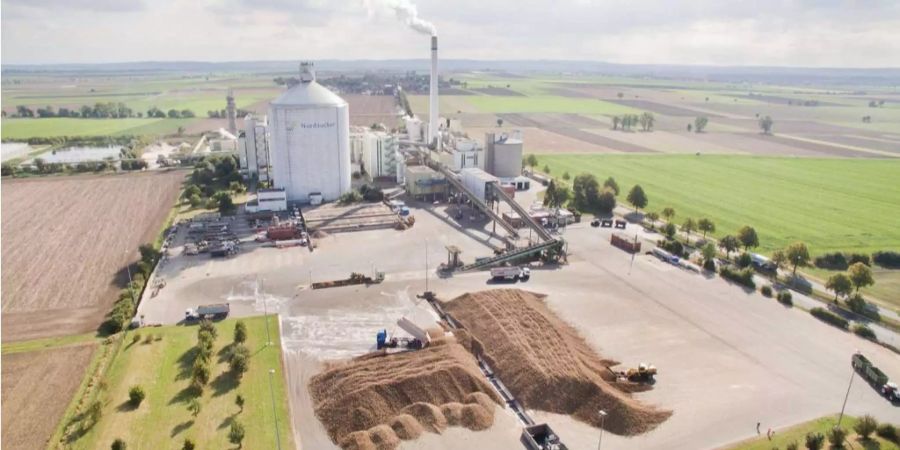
(310, 140)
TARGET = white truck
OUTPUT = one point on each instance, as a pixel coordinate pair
(510, 273)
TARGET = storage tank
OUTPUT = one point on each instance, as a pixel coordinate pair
(310, 140)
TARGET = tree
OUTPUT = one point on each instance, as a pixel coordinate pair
(194, 407)
(611, 183)
(814, 441)
(173, 114)
(865, 426)
(699, 124)
(136, 395)
(240, 332)
(729, 243)
(192, 190)
(224, 201)
(236, 433)
(668, 213)
(546, 169)
(747, 236)
(500, 123)
(647, 121)
(566, 176)
(187, 114)
(200, 372)
(797, 255)
(239, 401)
(188, 444)
(239, 364)
(688, 227)
(195, 201)
(860, 275)
(765, 124)
(237, 187)
(637, 197)
(558, 196)
(840, 284)
(709, 252)
(531, 161)
(118, 444)
(616, 120)
(706, 226)
(670, 230)
(779, 259)
(585, 191)
(652, 216)
(606, 201)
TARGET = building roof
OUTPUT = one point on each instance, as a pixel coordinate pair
(309, 94)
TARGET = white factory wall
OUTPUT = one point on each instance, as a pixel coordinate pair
(507, 159)
(476, 180)
(311, 150)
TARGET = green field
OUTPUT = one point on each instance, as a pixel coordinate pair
(26, 128)
(797, 433)
(163, 420)
(831, 204)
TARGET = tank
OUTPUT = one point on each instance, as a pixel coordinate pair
(310, 140)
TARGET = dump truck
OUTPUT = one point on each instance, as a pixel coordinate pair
(868, 371)
(214, 311)
(541, 437)
(510, 273)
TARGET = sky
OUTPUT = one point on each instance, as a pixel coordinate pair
(808, 33)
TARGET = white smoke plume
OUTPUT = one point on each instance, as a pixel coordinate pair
(405, 11)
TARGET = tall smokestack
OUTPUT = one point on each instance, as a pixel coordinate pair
(433, 94)
(229, 105)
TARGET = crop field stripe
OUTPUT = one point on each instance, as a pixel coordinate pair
(830, 204)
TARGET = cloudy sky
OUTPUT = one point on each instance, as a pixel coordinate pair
(834, 33)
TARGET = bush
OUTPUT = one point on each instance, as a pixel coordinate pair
(865, 426)
(148, 339)
(709, 265)
(188, 445)
(888, 259)
(836, 437)
(814, 441)
(670, 230)
(236, 433)
(136, 395)
(672, 246)
(742, 276)
(786, 298)
(832, 261)
(792, 446)
(864, 332)
(135, 338)
(240, 332)
(371, 193)
(744, 260)
(859, 257)
(766, 291)
(118, 444)
(350, 197)
(887, 431)
(829, 317)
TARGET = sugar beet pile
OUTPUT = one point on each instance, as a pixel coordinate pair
(545, 363)
(377, 400)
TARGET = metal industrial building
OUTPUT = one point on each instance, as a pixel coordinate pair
(309, 128)
(503, 154)
(254, 148)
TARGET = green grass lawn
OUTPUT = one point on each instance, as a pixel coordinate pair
(26, 128)
(831, 204)
(546, 104)
(797, 433)
(162, 368)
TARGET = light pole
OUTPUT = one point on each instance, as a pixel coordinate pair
(602, 421)
(426, 265)
(840, 417)
(274, 412)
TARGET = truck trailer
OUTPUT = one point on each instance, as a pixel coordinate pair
(510, 273)
(214, 311)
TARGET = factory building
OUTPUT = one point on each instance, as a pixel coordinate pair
(254, 148)
(423, 183)
(268, 200)
(309, 130)
(503, 154)
(377, 153)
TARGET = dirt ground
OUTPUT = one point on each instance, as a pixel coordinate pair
(368, 109)
(66, 241)
(37, 388)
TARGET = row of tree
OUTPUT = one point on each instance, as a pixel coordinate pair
(645, 120)
(223, 114)
(108, 110)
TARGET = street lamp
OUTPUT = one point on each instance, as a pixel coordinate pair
(265, 311)
(602, 421)
(852, 374)
(274, 412)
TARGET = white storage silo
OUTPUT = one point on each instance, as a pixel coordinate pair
(310, 140)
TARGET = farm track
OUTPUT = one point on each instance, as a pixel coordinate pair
(66, 241)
